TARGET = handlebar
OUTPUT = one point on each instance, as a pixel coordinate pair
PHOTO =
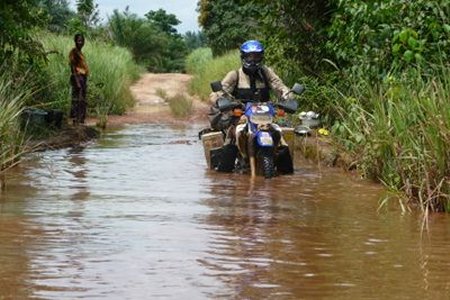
(230, 102)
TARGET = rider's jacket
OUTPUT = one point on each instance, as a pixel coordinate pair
(256, 88)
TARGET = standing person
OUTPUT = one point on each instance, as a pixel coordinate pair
(78, 79)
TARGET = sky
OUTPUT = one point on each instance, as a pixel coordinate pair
(184, 10)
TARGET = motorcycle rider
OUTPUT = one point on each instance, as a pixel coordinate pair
(252, 81)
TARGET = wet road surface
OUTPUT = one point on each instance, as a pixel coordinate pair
(136, 215)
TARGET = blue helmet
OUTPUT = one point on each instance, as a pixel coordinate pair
(252, 55)
(252, 46)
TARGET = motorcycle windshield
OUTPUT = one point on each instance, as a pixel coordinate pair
(261, 118)
(260, 113)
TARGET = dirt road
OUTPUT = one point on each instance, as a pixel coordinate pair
(151, 108)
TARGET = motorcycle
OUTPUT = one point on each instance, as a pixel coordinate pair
(250, 138)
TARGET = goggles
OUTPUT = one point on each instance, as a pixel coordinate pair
(253, 57)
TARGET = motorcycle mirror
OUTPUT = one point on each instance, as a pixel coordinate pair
(224, 104)
(289, 106)
(216, 86)
(298, 88)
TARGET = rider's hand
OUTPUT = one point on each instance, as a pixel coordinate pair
(242, 119)
(287, 96)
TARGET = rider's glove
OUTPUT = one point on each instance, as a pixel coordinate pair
(287, 96)
(242, 119)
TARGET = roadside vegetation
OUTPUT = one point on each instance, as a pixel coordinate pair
(12, 138)
(180, 105)
(399, 133)
(207, 69)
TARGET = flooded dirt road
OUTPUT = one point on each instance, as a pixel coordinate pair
(136, 215)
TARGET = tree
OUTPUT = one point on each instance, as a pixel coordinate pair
(165, 22)
(123, 25)
(88, 13)
(377, 36)
(59, 14)
(153, 40)
(17, 19)
(176, 51)
(194, 40)
(295, 32)
(228, 23)
(146, 42)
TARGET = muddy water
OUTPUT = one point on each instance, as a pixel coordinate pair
(137, 216)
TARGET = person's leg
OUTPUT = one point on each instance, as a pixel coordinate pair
(83, 100)
(75, 100)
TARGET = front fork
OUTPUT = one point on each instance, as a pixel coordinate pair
(247, 144)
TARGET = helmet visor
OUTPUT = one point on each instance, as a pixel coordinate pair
(253, 57)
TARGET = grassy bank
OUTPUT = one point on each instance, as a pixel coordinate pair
(399, 132)
(12, 138)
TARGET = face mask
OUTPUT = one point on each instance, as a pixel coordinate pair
(252, 61)
(253, 58)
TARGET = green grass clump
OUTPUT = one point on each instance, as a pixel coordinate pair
(399, 131)
(161, 93)
(12, 139)
(180, 105)
(207, 69)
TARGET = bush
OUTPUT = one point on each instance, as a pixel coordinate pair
(379, 36)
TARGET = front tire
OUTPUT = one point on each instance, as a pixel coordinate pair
(265, 162)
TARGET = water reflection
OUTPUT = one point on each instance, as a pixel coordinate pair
(313, 236)
(78, 169)
(250, 246)
(17, 233)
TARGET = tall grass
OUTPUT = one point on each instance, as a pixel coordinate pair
(206, 69)
(12, 141)
(112, 70)
(180, 105)
(400, 132)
